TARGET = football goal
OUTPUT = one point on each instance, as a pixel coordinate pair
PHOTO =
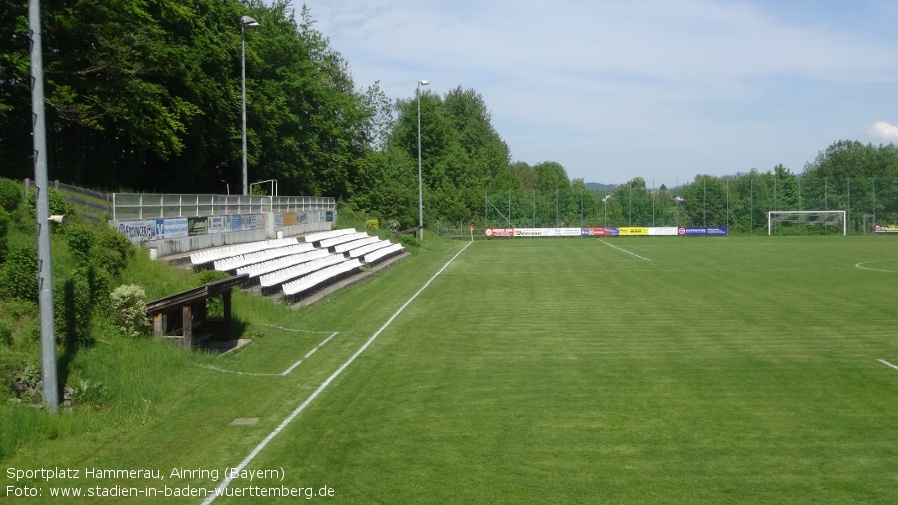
(826, 218)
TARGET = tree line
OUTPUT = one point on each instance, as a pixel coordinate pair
(146, 96)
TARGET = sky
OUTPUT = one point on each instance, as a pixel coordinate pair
(659, 89)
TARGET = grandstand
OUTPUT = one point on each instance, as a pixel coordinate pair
(301, 269)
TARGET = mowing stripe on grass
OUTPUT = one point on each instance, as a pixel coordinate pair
(227, 481)
(287, 371)
(886, 363)
(624, 250)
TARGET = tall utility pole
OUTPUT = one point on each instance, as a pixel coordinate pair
(244, 22)
(44, 274)
(422, 82)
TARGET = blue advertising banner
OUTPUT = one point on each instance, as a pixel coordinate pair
(235, 222)
(702, 231)
(171, 228)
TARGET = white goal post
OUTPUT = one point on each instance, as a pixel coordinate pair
(820, 217)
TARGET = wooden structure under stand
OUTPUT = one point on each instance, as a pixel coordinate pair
(183, 317)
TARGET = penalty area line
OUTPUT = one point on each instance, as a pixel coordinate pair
(886, 363)
(255, 452)
(624, 250)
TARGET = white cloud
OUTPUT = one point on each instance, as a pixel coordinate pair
(884, 131)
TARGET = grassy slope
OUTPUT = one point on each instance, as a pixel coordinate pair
(545, 371)
(167, 411)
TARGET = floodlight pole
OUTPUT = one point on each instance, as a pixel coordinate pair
(422, 82)
(44, 271)
(244, 22)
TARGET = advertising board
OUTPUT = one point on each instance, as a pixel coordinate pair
(701, 231)
(498, 232)
(600, 232)
(663, 231)
(138, 231)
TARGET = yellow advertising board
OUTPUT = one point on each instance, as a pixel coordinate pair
(624, 231)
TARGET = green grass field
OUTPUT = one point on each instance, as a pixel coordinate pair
(644, 370)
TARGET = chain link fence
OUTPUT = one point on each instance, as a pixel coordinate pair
(739, 203)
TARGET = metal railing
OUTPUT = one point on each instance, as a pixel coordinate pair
(126, 206)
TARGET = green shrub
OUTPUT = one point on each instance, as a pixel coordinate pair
(408, 240)
(5, 334)
(207, 276)
(19, 276)
(10, 194)
(4, 229)
(214, 306)
(73, 308)
(81, 240)
(26, 380)
(84, 392)
(99, 282)
(372, 224)
(129, 304)
(119, 248)
(57, 204)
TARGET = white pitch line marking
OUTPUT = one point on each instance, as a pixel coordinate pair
(334, 334)
(255, 452)
(886, 363)
(624, 250)
(287, 371)
(858, 265)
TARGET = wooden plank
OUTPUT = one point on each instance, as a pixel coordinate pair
(188, 325)
(203, 292)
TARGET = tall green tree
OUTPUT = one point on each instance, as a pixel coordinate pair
(847, 158)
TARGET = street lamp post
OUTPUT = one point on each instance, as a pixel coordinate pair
(244, 22)
(44, 270)
(422, 82)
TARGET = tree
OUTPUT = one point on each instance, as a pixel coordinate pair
(846, 158)
(551, 175)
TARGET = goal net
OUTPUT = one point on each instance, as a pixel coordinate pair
(828, 219)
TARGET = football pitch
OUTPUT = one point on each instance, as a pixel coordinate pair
(644, 370)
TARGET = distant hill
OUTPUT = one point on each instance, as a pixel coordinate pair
(595, 186)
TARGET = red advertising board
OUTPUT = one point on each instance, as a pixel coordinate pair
(498, 232)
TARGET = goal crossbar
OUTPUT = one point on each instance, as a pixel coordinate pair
(803, 217)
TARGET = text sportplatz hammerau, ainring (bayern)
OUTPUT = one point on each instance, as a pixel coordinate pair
(103, 482)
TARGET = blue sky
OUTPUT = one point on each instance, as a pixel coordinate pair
(661, 89)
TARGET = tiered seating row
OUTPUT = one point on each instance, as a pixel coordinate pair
(342, 239)
(361, 251)
(380, 254)
(235, 262)
(355, 244)
(265, 267)
(326, 275)
(281, 276)
(299, 267)
(210, 255)
(322, 235)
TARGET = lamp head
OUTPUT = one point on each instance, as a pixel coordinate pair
(423, 82)
(248, 21)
